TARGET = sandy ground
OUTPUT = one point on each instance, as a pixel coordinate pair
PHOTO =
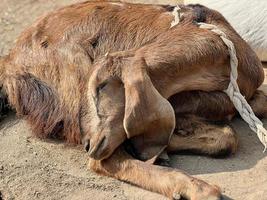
(35, 169)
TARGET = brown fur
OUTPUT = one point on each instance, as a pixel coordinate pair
(59, 80)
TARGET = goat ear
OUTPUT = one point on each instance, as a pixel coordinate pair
(148, 116)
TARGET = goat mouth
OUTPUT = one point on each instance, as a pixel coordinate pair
(97, 150)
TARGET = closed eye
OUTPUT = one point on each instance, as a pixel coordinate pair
(100, 87)
(96, 98)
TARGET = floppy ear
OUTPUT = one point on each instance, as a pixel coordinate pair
(149, 117)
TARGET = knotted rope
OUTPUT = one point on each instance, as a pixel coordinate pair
(233, 91)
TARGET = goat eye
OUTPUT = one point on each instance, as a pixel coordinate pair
(101, 86)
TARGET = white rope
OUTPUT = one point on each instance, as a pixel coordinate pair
(233, 91)
(176, 14)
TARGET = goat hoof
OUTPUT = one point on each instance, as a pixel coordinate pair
(200, 190)
(204, 191)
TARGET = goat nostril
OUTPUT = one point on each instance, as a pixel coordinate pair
(87, 145)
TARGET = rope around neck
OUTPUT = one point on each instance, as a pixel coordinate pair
(233, 91)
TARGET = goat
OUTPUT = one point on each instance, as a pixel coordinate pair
(153, 94)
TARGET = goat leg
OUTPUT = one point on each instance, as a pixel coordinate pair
(163, 180)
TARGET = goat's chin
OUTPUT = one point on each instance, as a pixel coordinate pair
(105, 146)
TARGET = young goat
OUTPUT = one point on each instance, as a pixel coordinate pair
(60, 79)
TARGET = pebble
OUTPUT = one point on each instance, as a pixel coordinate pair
(37, 194)
(28, 139)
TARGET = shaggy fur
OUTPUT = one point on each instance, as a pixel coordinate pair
(60, 78)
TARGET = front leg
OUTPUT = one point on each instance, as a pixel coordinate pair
(166, 181)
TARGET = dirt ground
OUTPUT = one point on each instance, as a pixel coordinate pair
(35, 169)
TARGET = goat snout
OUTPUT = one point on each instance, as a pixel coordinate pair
(87, 145)
(99, 149)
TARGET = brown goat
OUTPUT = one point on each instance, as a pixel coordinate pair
(59, 80)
